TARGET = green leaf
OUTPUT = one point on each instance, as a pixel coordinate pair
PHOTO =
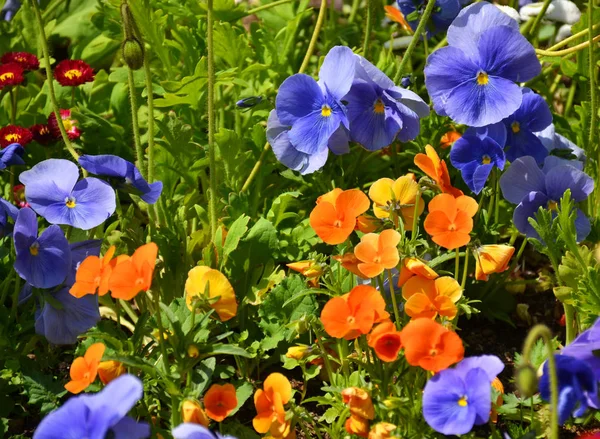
(226, 349)
(42, 390)
(237, 230)
(202, 375)
(243, 391)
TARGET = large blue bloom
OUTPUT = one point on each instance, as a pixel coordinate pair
(52, 190)
(130, 176)
(7, 210)
(525, 184)
(42, 261)
(443, 13)
(11, 155)
(195, 431)
(456, 399)
(559, 145)
(379, 111)
(585, 347)
(533, 115)
(477, 152)
(98, 416)
(473, 79)
(577, 387)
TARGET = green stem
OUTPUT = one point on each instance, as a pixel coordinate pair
(592, 73)
(465, 269)
(325, 356)
(50, 80)
(543, 332)
(139, 152)
(415, 40)
(161, 330)
(211, 121)
(573, 38)
(256, 167)
(355, 4)
(457, 264)
(394, 302)
(570, 98)
(148, 75)
(368, 29)
(13, 104)
(538, 18)
(413, 233)
(315, 36)
(497, 196)
(267, 6)
(570, 50)
(570, 327)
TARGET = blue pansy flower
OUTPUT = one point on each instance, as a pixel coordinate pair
(52, 190)
(443, 13)
(11, 155)
(577, 387)
(530, 187)
(9, 9)
(114, 166)
(42, 261)
(380, 112)
(473, 79)
(477, 152)
(585, 348)
(7, 210)
(98, 416)
(532, 116)
(559, 145)
(195, 431)
(456, 399)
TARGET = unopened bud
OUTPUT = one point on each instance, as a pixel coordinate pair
(133, 53)
(527, 381)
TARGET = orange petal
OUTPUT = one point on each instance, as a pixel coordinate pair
(418, 284)
(444, 202)
(446, 307)
(420, 268)
(370, 269)
(122, 282)
(387, 346)
(452, 240)
(326, 224)
(420, 306)
(467, 204)
(366, 249)
(146, 254)
(109, 255)
(352, 203)
(79, 368)
(76, 387)
(425, 164)
(220, 401)
(437, 222)
(330, 197)
(278, 383)
(389, 238)
(335, 317)
(94, 353)
(448, 286)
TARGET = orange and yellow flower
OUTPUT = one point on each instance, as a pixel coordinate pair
(94, 273)
(132, 275)
(310, 269)
(431, 297)
(450, 220)
(492, 259)
(109, 370)
(361, 410)
(377, 252)
(221, 296)
(334, 217)
(270, 403)
(191, 412)
(220, 401)
(415, 267)
(437, 170)
(396, 16)
(382, 430)
(85, 369)
(386, 341)
(449, 138)
(396, 197)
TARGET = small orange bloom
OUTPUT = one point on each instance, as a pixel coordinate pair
(367, 224)
(219, 289)
(350, 262)
(357, 425)
(109, 370)
(220, 401)
(430, 345)
(385, 341)
(354, 313)
(437, 170)
(382, 430)
(449, 138)
(192, 412)
(378, 252)
(311, 270)
(430, 297)
(395, 15)
(450, 220)
(270, 401)
(94, 273)
(281, 431)
(415, 267)
(84, 369)
(334, 216)
(497, 384)
(397, 197)
(359, 401)
(133, 275)
(492, 259)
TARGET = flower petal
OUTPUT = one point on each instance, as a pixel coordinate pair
(298, 96)
(523, 176)
(337, 71)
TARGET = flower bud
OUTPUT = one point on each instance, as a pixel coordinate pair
(133, 53)
(527, 381)
(193, 351)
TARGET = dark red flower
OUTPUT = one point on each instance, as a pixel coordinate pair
(26, 60)
(19, 196)
(11, 74)
(42, 134)
(70, 125)
(73, 72)
(14, 134)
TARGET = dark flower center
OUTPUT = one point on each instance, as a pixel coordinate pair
(552, 205)
(516, 127)
(379, 107)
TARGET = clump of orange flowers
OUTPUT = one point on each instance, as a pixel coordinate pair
(85, 369)
(431, 297)
(386, 341)
(269, 403)
(220, 401)
(396, 199)
(491, 259)
(450, 220)
(377, 252)
(335, 215)
(361, 410)
(354, 313)
(221, 297)
(437, 170)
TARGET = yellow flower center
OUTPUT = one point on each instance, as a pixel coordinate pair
(463, 401)
(337, 223)
(379, 107)
(486, 160)
(70, 202)
(516, 127)
(552, 205)
(433, 352)
(482, 78)
(376, 260)
(34, 249)
(452, 227)
(6, 76)
(325, 110)
(73, 73)
(12, 137)
(351, 320)
(68, 124)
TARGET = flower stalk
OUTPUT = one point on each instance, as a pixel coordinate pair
(212, 201)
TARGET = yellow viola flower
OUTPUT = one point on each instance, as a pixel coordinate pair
(221, 296)
(109, 370)
(492, 259)
(396, 196)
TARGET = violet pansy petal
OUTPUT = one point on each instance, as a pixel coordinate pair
(337, 71)
(105, 164)
(95, 202)
(525, 143)
(582, 225)
(411, 100)
(479, 394)
(526, 209)
(480, 177)
(192, 431)
(49, 182)
(339, 142)
(311, 133)
(298, 96)
(126, 389)
(534, 113)
(60, 424)
(129, 428)
(561, 178)
(490, 364)
(523, 176)
(366, 71)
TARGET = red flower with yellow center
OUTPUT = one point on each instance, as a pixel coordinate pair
(19, 196)
(73, 72)
(42, 134)
(11, 74)
(14, 134)
(26, 60)
(70, 125)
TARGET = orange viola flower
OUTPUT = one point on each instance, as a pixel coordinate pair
(281, 431)
(350, 262)
(310, 269)
(354, 313)
(437, 170)
(84, 369)
(397, 197)
(385, 341)
(450, 220)
(357, 425)
(382, 430)
(497, 384)
(378, 252)
(430, 345)
(396, 16)
(367, 224)
(415, 267)
(109, 370)
(430, 297)
(334, 216)
(221, 296)
(94, 273)
(492, 259)
(449, 138)
(192, 412)
(359, 401)
(133, 275)
(220, 401)
(270, 401)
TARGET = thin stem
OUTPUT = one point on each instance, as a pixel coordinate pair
(161, 330)
(148, 75)
(355, 4)
(572, 38)
(368, 29)
(394, 302)
(315, 36)
(256, 167)
(211, 121)
(325, 358)
(13, 104)
(457, 264)
(465, 269)
(50, 80)
(72, 97)
(568, 51)
(538, 18)
(139, 152)
(267, 6)
(414, 233)
(497, 196)
(415, 40)
(592, 73)
(571, 330)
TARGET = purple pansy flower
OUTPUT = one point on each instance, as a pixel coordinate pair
(473, 79)
(525, 184)
(98, 416)
(195, 431)
(559, 145)
(585, 347)
(42, 261)
(456, 399)
(11, 155)
(114, 166)
(7, 210)
(52, 190)
(532, 116)
(477, 152)
(443, 13)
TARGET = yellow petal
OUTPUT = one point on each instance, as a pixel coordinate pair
(382, 191)
(449, 287)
